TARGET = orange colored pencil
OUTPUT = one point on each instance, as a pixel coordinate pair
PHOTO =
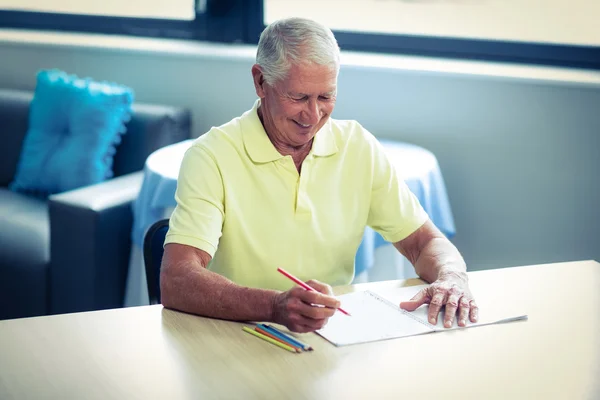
(259, 330)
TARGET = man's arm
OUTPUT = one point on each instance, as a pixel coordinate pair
(432, 254)
(438, 261)
(186, 285)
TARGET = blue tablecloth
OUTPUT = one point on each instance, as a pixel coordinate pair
(417, 166)
(420, 170)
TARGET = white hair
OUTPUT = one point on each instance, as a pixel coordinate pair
(293, 41)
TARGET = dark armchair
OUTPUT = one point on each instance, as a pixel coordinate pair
(71, 252)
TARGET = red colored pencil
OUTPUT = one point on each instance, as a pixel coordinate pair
(304, 285)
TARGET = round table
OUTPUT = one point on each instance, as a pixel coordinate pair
(417, 166)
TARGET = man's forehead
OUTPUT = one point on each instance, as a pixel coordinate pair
(311, 72)
(318, 85)
(328, 90)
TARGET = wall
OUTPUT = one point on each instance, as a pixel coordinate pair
(518, 150)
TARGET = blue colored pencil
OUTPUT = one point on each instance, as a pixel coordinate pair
(280, 335)
(285, 337)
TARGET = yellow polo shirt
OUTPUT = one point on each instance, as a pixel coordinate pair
(245, 204)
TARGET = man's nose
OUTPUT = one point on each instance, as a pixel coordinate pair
(313, 112)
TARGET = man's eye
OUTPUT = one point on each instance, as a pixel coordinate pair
(325, 97)
(299, 98)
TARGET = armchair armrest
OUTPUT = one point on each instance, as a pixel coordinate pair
(90, 243)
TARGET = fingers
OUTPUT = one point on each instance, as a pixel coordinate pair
(437, 301)
(302, 324)
(463, 311)
(316, 298)
(313, 312)
(417, 301)
(312, 305)
(454, 296)
(320, 287)
(304, 317)
(474, 312)
(296, 309)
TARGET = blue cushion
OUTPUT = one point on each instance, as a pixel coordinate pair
(74, 126)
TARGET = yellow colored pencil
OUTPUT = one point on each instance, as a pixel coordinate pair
(268, 339)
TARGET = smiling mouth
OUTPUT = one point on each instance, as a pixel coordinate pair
(302, 125)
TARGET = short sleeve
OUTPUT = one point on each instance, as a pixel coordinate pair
(197, 220)
(394, 212)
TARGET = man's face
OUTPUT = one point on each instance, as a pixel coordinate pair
(295, 108)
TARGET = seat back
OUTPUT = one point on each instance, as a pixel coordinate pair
(153, 253)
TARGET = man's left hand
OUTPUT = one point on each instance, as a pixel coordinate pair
(450, 290)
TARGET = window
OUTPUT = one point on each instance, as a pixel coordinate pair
(551, 32)
(214, 20)
(160, 9)
(573, 22)
(563, 32)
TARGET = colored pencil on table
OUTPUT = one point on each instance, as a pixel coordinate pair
(286, 337)
(304, 285)
(272, 341)
(282, 336)
(272, 336)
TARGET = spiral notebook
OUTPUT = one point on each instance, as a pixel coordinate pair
(377, 316)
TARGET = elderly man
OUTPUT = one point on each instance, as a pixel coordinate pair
(285, 185)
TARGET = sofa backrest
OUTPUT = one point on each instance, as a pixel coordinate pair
(14, 115)
(151, 127)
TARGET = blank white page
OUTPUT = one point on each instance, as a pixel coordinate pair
(373, 318)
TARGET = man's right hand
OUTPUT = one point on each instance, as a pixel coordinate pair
(302, 310)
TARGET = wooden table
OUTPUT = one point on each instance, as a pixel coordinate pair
(154, 353)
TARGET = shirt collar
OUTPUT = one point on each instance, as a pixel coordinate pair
(324, 143)
(261, 150)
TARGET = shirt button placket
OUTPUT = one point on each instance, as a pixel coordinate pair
(303, 202)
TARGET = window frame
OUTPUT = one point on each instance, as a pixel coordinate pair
(241, 21)
(103, 24)
(223, 21)
(587, 57)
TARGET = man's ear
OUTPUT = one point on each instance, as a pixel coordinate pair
(259, 80)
